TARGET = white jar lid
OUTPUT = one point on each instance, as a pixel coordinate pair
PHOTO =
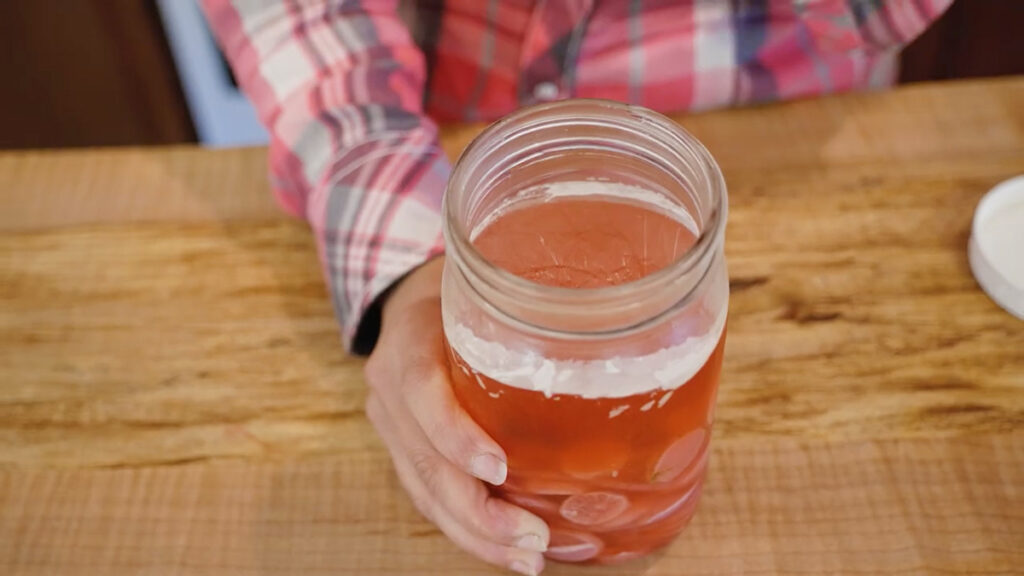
(996, 247)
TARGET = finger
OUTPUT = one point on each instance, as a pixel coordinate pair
(409, 474)
(422, 383)
(429, 398)
(466, 499)
(521, 560)
(471, 505)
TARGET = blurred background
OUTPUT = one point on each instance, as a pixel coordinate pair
(143, 72)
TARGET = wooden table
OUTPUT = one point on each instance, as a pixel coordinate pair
(174, 398)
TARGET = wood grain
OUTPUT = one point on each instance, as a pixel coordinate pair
(894, 507)
(41, 190)
(174, 398)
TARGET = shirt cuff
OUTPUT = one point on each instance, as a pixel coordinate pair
(377, 217)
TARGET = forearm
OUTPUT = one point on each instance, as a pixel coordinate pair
(339, 87)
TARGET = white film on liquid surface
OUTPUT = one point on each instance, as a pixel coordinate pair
(665, 369)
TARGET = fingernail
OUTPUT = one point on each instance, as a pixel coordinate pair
(522, 568)
(532, 542)
(489, 468)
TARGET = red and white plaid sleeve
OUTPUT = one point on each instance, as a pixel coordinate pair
(339, 85)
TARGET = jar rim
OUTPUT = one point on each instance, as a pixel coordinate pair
(579, 110)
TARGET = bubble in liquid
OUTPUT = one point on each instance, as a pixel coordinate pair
(679, 456)
(594, 508)
(566, 546)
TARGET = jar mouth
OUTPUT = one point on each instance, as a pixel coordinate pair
(551, 117)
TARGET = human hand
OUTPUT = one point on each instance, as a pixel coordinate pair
(440, 454)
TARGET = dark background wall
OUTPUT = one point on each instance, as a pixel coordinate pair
(87, 72)
(974, 38)
(99, 72)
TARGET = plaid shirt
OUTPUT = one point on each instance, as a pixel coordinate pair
(351, 91)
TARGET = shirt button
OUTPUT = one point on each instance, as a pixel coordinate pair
(545, 91)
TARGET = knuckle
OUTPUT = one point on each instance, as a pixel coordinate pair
(438, 431)
(447, 435)
(466, 434)
(454, 442)
(419, 370)
(427, 467)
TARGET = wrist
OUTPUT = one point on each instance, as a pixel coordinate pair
(420, 284)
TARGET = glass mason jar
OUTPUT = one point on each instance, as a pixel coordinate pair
(598, 381)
